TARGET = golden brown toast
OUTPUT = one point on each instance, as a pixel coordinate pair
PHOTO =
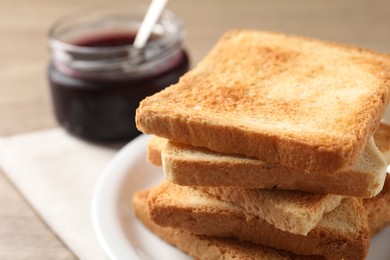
(187, 165)
(302, 103)
(203, 247)
(382, 140)
(343, 233)
(291, 211)
(191, 166)
(378, 209)
(154, 148)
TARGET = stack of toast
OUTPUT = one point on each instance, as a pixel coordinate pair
(269, 152)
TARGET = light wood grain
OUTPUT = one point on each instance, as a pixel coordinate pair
(25, 103)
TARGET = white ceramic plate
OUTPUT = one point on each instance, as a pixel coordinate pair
(119, 232)
(122, 236)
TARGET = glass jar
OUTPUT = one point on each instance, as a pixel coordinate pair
(97, 78)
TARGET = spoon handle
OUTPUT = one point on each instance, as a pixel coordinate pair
(150, 19)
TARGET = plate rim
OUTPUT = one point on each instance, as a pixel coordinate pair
(99, 203)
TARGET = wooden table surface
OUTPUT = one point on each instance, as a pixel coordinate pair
(25, 101)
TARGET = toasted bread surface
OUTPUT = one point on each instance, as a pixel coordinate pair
(299, 102)
(197, 166)
(200, 247)
(382, 140)
(187, 165)
(343, 233)
(378, 209)
(203, 247)
(295, 212)
(292, 211)
(154, 148)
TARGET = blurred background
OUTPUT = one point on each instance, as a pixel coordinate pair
(25, 103)
(24, 99)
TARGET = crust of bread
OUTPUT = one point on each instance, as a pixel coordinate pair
(382, 140)
(203, 247)
(291, 211)
(378, 209)
(202, 176)
(190, 166)
(154, 148)
(343, 233)
(199, 247)
(302, 103)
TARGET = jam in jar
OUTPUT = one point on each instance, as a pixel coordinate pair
(97, 77)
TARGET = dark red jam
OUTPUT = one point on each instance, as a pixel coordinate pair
(109, 40)
(103, 108)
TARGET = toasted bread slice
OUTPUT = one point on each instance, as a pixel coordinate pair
(378, 209)
(382, 140)
(154, 148)
(343, 233)
(187, 165)
(292, 211)
(299, 102)
(203, 247)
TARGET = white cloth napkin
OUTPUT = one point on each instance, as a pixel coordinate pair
(57, 173)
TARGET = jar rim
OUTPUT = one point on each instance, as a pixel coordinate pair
(54, 40)
(114, 60)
